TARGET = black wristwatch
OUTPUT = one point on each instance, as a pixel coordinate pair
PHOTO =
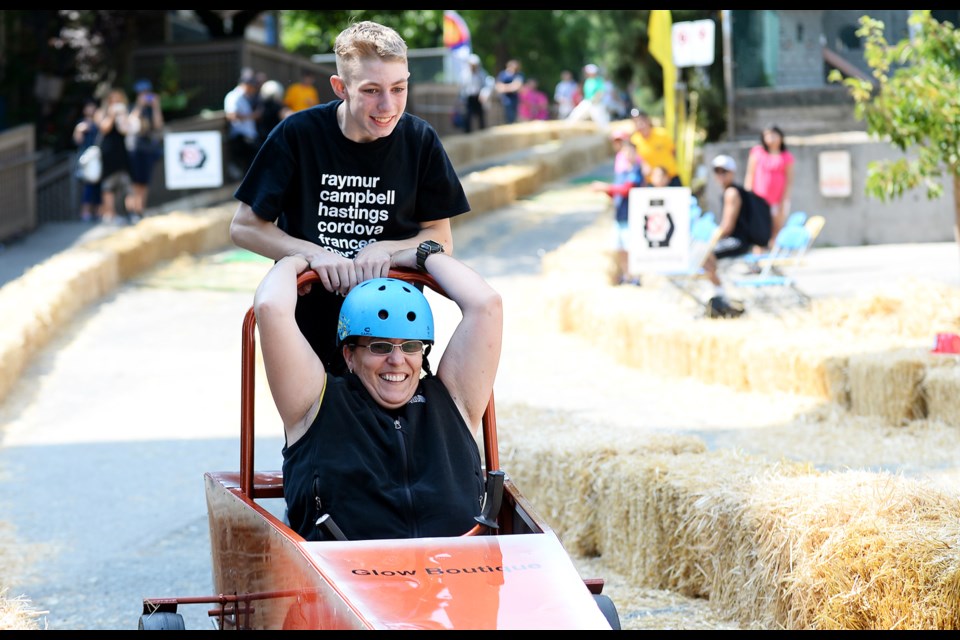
(426, 248)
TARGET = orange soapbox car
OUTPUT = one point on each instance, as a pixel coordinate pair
(509, 572)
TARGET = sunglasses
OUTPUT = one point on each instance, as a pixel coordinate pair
(408, 347)
(719, 170)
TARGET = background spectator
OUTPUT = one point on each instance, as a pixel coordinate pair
(534, 104)
(85, 133)
(243, 139)
(112, 120)
(146, 120)
(566, 95)
(303, 94)
(655, 145)
(272, 109)
(769, 174)
(593, 106)
(508, 85)
(627, 174)
(474, 91)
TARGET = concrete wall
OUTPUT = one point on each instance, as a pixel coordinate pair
(858, 219)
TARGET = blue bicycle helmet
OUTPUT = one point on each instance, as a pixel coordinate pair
(385, 308)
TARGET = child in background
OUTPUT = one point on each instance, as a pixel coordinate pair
(84, 135)
(627, 174)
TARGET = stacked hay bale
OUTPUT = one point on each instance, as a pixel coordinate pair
(50, 294)
(939, 387)
(870, 354)
(770, 544)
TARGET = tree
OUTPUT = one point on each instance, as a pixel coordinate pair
(914, 104)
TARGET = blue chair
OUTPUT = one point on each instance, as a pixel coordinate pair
(703, 226)
(796, 218)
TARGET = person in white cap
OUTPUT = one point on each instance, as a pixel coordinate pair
(593, 106)
(474, 91)
(742, 227)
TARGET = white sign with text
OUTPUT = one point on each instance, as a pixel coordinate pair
(693, 43)
(659, 229)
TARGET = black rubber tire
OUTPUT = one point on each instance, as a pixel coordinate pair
(608, 609)
(161, 621)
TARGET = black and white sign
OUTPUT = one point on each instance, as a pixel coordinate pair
(659, 229)
(193, 160)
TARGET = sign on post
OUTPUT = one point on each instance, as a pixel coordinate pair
(835, 174)
(658, 229)
(193, 159)
(693, 43)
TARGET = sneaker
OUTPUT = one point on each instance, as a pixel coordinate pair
(631, 281)
(135, 218)
(719, 307)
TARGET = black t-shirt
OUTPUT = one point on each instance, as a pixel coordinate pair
(320, 186)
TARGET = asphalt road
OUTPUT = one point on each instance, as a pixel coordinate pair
(108, 434)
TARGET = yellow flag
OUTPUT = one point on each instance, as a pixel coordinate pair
(660, 32)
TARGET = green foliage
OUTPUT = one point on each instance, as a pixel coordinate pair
(912, 102)
(311, 32)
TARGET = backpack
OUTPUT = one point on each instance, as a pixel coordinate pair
(756, 220)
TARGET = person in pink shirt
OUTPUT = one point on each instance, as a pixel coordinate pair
(534, 104)
(769, 174)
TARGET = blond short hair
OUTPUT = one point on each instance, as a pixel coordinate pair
(368, 40)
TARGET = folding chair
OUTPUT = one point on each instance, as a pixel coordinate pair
(797, 217)
(791, 243)
(814, 225)
(783, 258)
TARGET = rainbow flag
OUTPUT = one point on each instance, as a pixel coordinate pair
(456, 34)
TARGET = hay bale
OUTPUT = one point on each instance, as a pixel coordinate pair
(215, 223)
(781, 545)
(940, 388)
(857, 550)
(887, 384)
(807, 362)
(561, 468)
(907, 309)
(674, 521)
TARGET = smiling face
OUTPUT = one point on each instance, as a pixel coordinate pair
(390, 379)
(374, 93)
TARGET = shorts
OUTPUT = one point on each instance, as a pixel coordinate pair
(731, 247)
(116, 181)
(141, 165)
(621, 235)
(91, 193)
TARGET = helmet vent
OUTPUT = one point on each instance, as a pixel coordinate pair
(411, 316)
(383, 314)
